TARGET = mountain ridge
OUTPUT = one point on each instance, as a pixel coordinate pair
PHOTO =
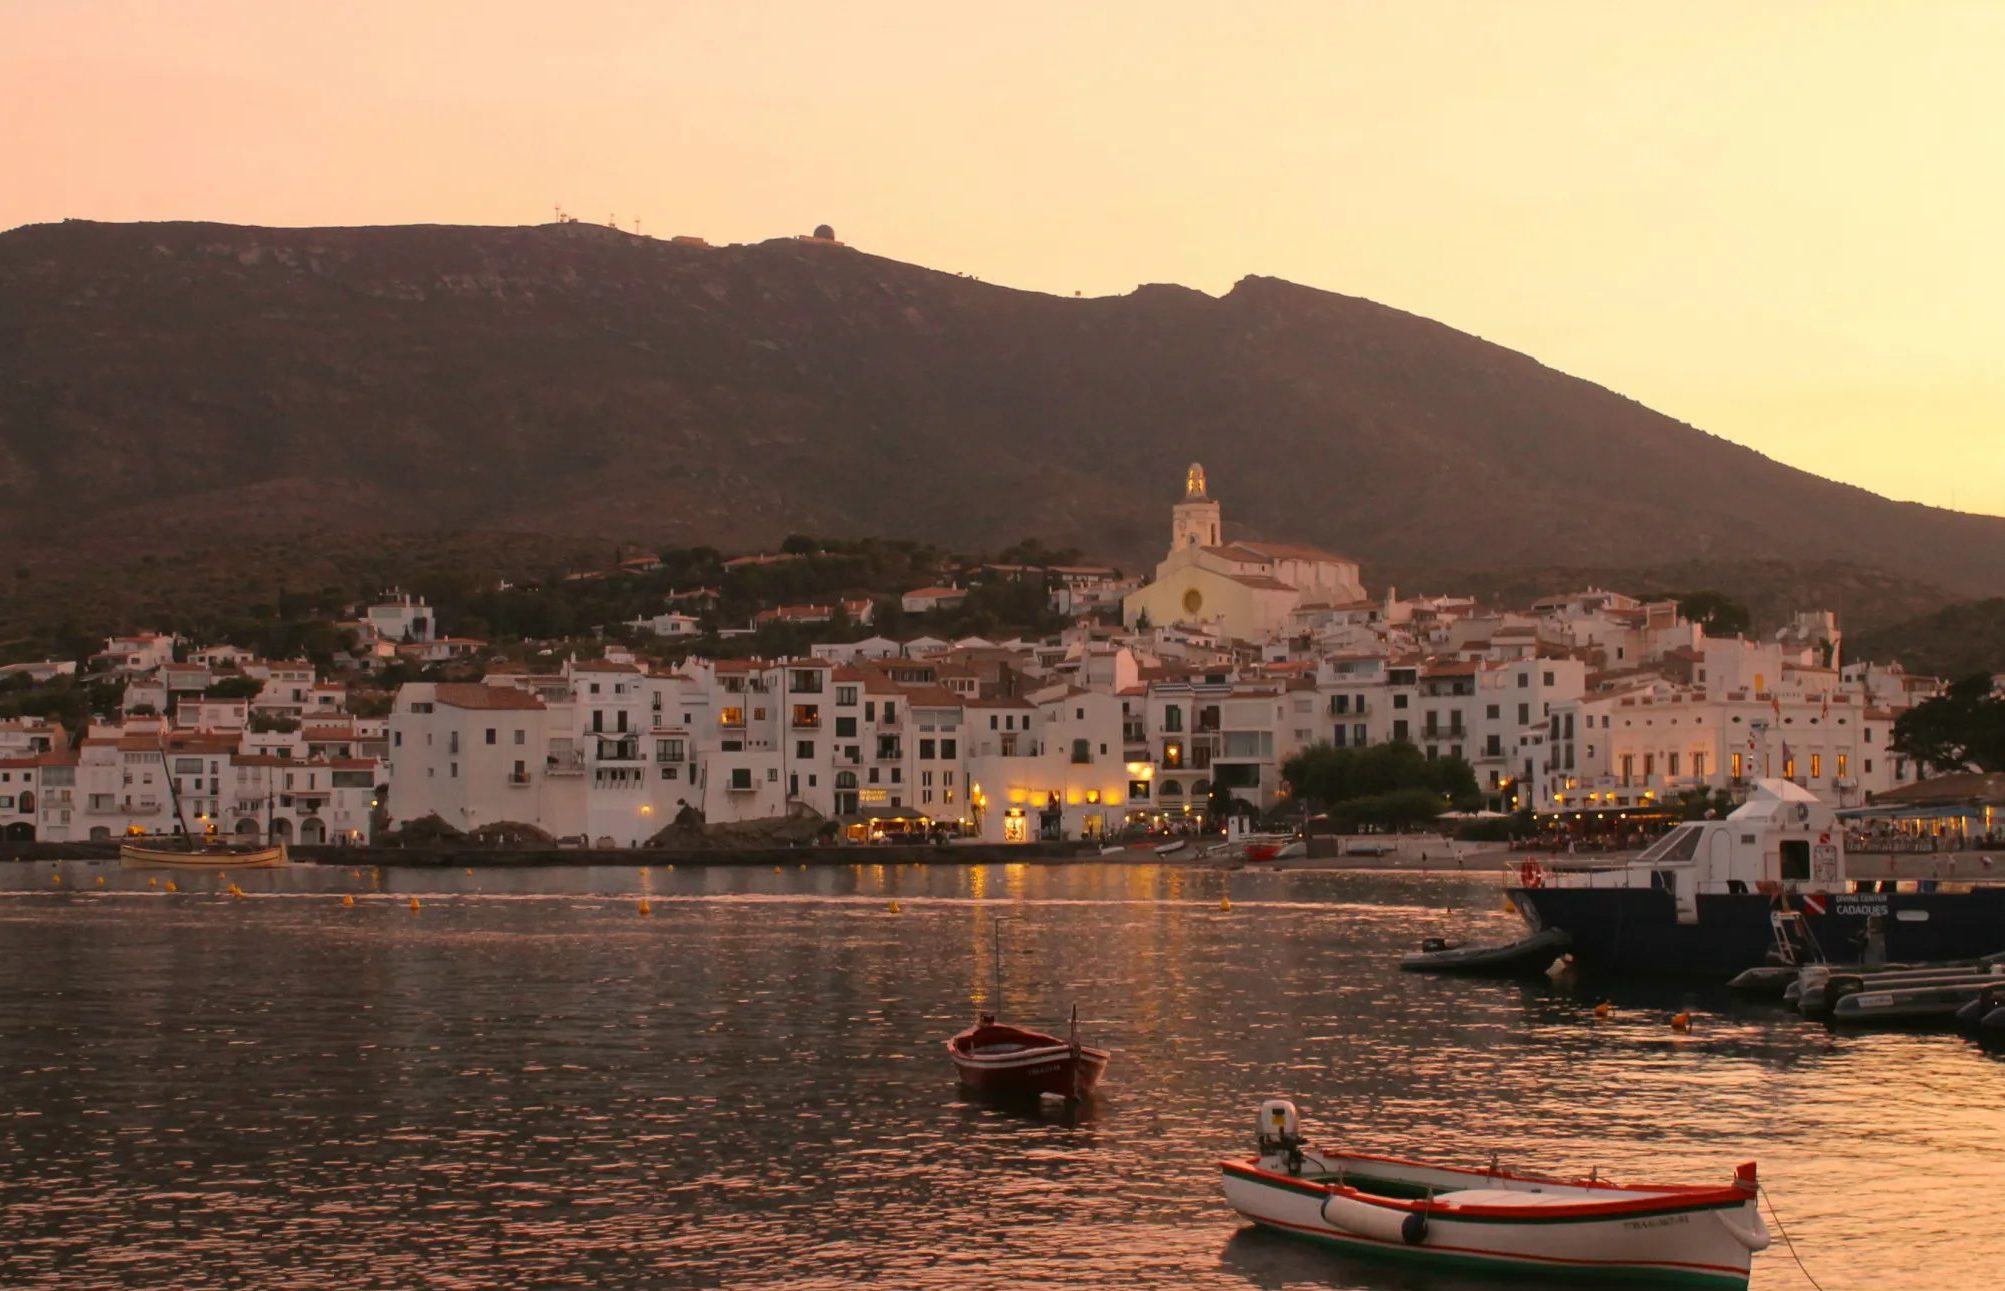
(180, 379)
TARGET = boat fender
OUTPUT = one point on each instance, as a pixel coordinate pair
(1413, 1229)
(1752, 1236)
(1366, 1219)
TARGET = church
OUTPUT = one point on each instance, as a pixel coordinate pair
(1246, 589)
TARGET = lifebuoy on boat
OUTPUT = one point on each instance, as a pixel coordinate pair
(1531, 875)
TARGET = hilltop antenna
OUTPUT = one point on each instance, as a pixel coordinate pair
(557, 209)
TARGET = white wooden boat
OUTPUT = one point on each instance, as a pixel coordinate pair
(1496, 1220)
(134, 857)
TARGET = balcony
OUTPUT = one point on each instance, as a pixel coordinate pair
(569, 764)
(519, 778)
(618, 751)
(736, 785)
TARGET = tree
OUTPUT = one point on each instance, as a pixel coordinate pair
(1962, 729)
(1717, 613)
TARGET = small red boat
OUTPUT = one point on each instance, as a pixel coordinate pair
(1001, 1061)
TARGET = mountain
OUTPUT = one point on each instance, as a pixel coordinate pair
(1955, 641)
(173, 387)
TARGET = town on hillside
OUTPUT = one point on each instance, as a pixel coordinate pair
(1116, 706)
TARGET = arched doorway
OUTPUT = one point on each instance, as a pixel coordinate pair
(100, 833)
(247, 827)
(281, 830)
(20, 832)
(27, 804)
(312, 830)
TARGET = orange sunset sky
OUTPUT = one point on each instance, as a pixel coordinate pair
(1777, 221)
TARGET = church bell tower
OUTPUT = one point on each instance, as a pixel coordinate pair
(1195, 522)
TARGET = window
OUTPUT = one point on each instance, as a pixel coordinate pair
(1628, 767)
(732, 716)
(1789, 768)
(948, 748)
(845, 696)
(454, 773)
(926, 749)
(845, 728)
(890, 712)
(1699, 765)
(1524, 714)
(1493, 711)
(670, 773)
(804, 750)
(741, 777)
(521, 736)
(1399, 701)
(1671, 763)
(1843, 760)
(1816, 765)
(490, 735)
(452, 742)
(1399, 729)
(1138, 790)
(1173, 753)
(1547, 679)
(397, 739)
(1737, 766)
(1082, 751)
(807, 716)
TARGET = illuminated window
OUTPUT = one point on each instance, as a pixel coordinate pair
(1173, 753)
(1843, 762)
(1816, 765)
(1737, 766)
(1789, 769)
(733, 716)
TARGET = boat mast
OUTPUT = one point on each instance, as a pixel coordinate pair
(173, 791)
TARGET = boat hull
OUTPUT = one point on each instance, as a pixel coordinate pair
(1636, 930)
(153, 858)
(1007, 1063)
(1681, 1242)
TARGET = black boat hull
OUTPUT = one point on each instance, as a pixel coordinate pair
(1635, 931)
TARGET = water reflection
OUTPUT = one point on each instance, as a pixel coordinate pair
(528, 1085)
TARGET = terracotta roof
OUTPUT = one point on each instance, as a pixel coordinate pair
(474, 695)
(1291, 551)
(1261, 582)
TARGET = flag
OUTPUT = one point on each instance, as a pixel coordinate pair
(1775, 703)
(1827, 704)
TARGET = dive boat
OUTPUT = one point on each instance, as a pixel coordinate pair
(1005, 1062)
(132, 857)
(1491, 1220)
(1714, 898)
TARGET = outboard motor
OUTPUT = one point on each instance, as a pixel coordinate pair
(1280, 1133)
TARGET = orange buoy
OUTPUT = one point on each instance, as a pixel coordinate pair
(153, 883)
(1681, 1022)
(415, 907)
(1603, 1009)
(1225, 905)
(645, 907)
(172, 886)
(895, 907)
(348, 901)
(56, 879)
(100, 880)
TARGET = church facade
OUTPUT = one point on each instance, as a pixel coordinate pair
(1246, 589)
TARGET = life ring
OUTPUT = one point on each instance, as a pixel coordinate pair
(1531, 875)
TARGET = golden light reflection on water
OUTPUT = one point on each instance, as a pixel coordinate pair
(523, 1085)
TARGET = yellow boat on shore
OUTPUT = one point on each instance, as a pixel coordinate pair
(132, 857)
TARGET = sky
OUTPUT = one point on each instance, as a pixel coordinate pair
(1779, 222)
